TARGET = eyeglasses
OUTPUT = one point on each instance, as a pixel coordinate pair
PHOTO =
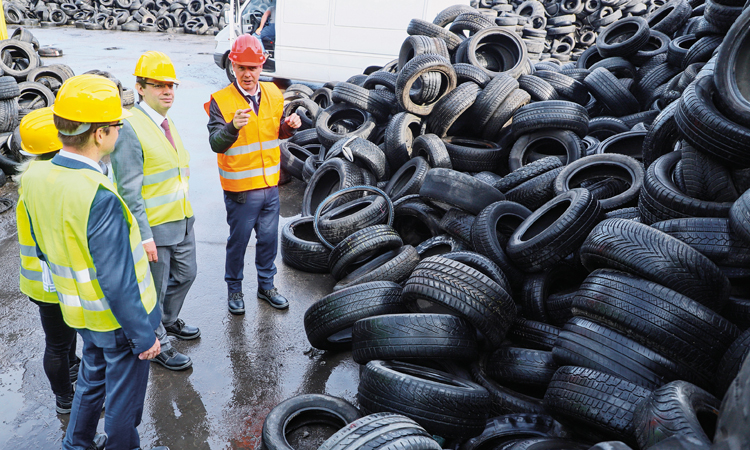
(117, 125)
(163, 85)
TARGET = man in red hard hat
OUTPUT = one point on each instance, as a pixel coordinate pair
(245, 124)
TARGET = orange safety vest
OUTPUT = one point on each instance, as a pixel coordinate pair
(254, 160)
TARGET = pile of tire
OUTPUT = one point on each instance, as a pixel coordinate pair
(25, 85)
(548, 239)
(179, 16)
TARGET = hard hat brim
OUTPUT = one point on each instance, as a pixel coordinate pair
(164, 79)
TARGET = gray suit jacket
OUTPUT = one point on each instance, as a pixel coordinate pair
(127, 165)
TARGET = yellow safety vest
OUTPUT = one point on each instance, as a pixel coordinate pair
(254, 160)
(58, 200)
(31, 266)
(165, 171)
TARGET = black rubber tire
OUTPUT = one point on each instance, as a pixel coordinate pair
(561, 279)
(420, 27)
(459, 190)
(440, 402)
(528, 172)
(662, 135)
(467, 72)
(365, 155)
(399, 135)
(533, 334)
(521, 366)
(507, 429)
(731, 71)
(626, 245)
(594, 399)
(537, 191)
(432, 148)
(441, 285)
(491, 231)
(360, 247)
(413, 337)
(731, 362)
(490, 99)
(293, 158)
(530, 147)
(337, 223)
(494, 129)
(416, 68)
(450, 13)
(538, 88)
(610, 165)
(361, 123)
(706, 178)
(415, 221)
(670, 17)
(394, 265)
(678, 48)
(568, 88)
(305, 410)
(646, 89)
(381, 431)
(471, 21)
(473, 155)
(739, 217)
(440, 245)
(629, 143)
(408, 179)
(333, 175)
(553, 231)
(672, 410)
(22, 58)
(657, 317)
(482, 264)
(587, 343)
(301, 248)
(496, 50)
(619, 67)
(604, 127)
(608, 91)
(661, 199)
(504, 400)
(328, 321)
(557, 114)
(451, 108)
(623, 38)
(702, 51)
(8, 88)
(457, 223)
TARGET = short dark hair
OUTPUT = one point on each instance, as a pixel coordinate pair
(78, 141)
(141, 81)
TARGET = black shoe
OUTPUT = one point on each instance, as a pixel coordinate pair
(181, 330)
(273, 297)
(100, 440)
(173, 360)
(236, 303)
(64, 403)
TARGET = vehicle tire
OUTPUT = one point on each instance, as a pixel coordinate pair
(333, 175)
(305, 410)
(34, 96)
(8, 115)
(301, 248)
(528, 172)
(521, 366)
(672, 410)
(293, 158)
(457, 223)
(607, 90)
(408, 179)
(338, 223)
(494, 129)
(739, 217)
(507, 429)
(394, 265)
(467, 72)
(415, 221)
(360, 98)
(604, 127)
(492, 229)
(731, 363)
(381, 431)
(491, 97)
(438, 401)
(416, 68)
(22, 58)
(418, 27)
(539, 89)
(459, 190)
(535, 192)
(413, 337)
(472, 154)
(670, 17)
(439, 245)
(662, 319)
(433, 149)
(626, 245)
(623, 38)
(505, 401)
(558, 114)
(8, 88)
(441, 285)
(533, 334)
(341, 120)
(613, 166)
(486, 46)
(594, 399)
(528, 148)
(402, 129)
(662, 135)
(566, 87)
(657, 44)
(328, 321)
(450, 109)
(729, 62)
(713, 237)
(553, 231)
(361, 247)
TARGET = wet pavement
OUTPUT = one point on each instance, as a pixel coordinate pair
(242, 365)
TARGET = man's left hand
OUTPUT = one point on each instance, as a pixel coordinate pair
(293, 121)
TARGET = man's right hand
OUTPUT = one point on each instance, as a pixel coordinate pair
(241, 117)
(150, 248)
(152, 352)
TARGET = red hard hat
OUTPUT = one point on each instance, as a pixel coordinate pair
(247, 50)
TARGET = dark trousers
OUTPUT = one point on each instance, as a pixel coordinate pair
(59, 348)
(118, 373)
(259, 212)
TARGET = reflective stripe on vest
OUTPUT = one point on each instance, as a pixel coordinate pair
(165, 171)
(30, 276)
(253, 161)
(58, 200)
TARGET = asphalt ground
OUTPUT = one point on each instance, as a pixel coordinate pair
(242, 365)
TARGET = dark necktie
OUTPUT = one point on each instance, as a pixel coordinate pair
(165, 126)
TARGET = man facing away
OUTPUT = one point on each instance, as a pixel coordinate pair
(150, 165)
(245, 124)
(89, 239)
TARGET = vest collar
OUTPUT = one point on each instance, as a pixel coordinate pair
(74, 161)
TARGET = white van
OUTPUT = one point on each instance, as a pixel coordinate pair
(325, 40)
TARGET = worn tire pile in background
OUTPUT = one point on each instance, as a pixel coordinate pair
(25, 85)
(538, 244)
(173, 16)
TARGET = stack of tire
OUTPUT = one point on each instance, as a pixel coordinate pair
(512, 239)
(181, 16)
(25, 85)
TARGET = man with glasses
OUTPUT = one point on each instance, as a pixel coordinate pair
(84, 232)
(151, 170)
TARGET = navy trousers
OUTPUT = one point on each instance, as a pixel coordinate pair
(118, 373)
(260, 212)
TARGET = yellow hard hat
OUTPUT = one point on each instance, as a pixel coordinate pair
(157, 66)
(38, 132)
(89, 99)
